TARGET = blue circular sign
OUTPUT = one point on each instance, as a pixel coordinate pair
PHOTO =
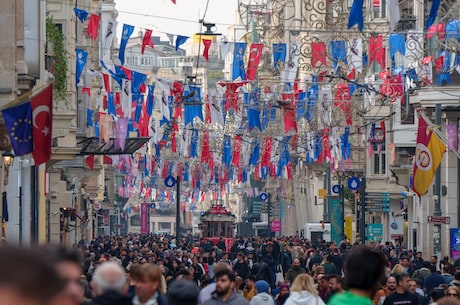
(336, 188)
(354, 183)
(152, 205)
(263, 196)
(170, 181)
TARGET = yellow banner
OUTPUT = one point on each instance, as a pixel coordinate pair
(349, 228)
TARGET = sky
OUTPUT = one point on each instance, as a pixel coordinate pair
(163, 16)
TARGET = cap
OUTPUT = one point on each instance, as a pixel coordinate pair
(262, 286)
(183, 292)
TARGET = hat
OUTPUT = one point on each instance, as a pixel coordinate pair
(183, 292)
(262, 286)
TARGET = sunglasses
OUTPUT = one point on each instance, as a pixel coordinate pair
(452, 294)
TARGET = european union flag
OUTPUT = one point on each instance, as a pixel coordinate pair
(18, 121)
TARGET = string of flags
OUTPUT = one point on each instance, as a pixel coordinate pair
(212, 158)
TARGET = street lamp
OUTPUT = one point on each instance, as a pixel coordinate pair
(8, 160)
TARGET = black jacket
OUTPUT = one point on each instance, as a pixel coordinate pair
(111, 298)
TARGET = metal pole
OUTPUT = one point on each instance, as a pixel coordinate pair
(342, 202)
(362, 230)
(437, 193)
(35, 198)
(177, 209)
(269, 214)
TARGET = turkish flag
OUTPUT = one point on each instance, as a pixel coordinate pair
(207, 45)
(93, 26)
(318, 53)
(42, 119)
(342, 100)
(289, 112)
(255, 53)
(147, 40)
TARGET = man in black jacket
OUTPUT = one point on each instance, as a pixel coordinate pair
(109, 285)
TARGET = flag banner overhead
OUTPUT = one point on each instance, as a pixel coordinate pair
(428, 156)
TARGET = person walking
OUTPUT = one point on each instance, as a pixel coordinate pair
(402, 294)
(109, 285)
(303, 292)
(225, 289)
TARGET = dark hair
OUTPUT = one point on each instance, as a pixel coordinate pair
(363, 268)
(437, 293)
(426, 264)
(30, 273)
(399, 277)
(60, 254)
(224, 271)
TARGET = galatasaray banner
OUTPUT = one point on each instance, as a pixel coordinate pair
(144, 218)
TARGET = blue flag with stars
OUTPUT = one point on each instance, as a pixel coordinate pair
(18, 121)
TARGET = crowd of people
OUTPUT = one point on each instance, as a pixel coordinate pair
(159, 270)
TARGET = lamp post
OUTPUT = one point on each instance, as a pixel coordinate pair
(8, 160)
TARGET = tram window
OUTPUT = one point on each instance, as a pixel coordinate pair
(223, 229)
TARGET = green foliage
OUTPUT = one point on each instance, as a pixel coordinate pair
(350, 197)
(57, 40)
(215, 76)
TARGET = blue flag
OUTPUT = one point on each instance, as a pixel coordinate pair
(81, 14)
(194, 144)
(111, 104)
(137, 80)
(127, 32)
(138, 98)
(192, 105)
(227, 153)
(397, 44)
(253, 110)
(150, 99)
(301, 105)
(82, 55)
(255, 153)
(180, 40)
(238, 61)
(279, 53)
(338, 52)
(18, 121)
(89, 117)
(433, 13)
(356, 14)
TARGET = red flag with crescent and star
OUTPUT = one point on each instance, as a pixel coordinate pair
(42, 119)
(255, 54)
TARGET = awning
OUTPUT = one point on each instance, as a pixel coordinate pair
(91, 146)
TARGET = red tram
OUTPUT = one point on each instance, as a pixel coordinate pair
(218, 222)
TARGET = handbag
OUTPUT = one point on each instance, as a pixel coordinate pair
(279, 277)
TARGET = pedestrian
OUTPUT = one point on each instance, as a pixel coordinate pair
(149, 286)
(303, 292)
(27, 277)
(110, 286)
(402, 294)
(225, 289)
(363, 270)
(262, 297)
(183, 292)
(294, 271)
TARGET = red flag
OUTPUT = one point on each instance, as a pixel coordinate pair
(173, 1)
(342, 100)
(436, 29)
(393, 87)
(231, 95)
(144, 122)
(93, 26)
(147, 40)
(90, 161)
(106, 82)
(127, 72)
(377, 51)
(107, 160)
(205, 152)
(267, 151)
(255, 53)
(439, 63)
(318, 53)
(207, 45)
(86, 90)
(352, 74)
(42, 121)
(326, 150)
(117, 102)
(236, 150)
(289, 112)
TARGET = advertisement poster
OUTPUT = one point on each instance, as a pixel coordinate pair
(455, 243)
(144, 218)
(335, 210)
(275, 226)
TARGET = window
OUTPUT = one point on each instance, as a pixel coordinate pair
(164, 226)
(379, 8)
(135, 220)
(146, 61)
(407, 114)
(379, 162)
